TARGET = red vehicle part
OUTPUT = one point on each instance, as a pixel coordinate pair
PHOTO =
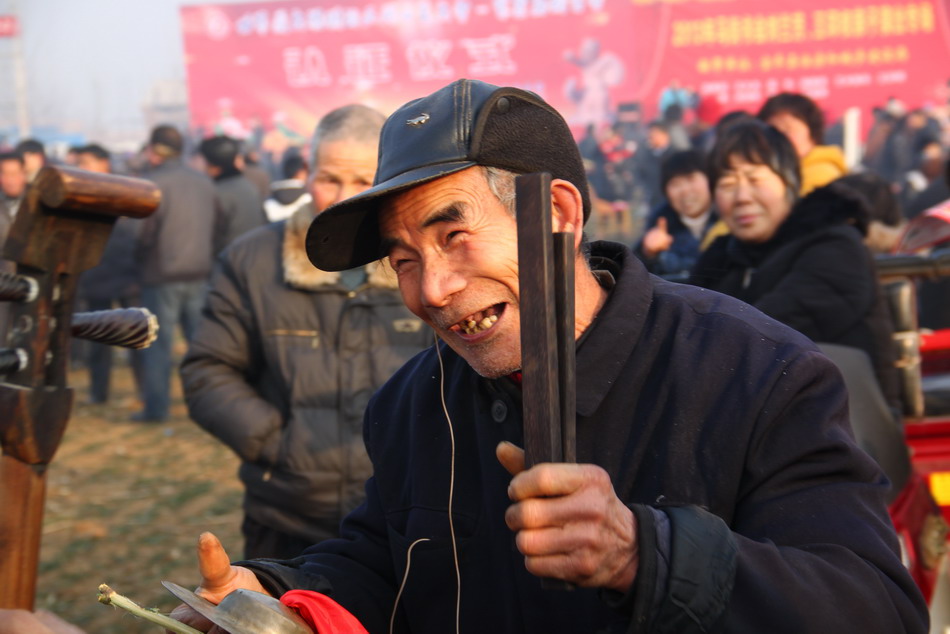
(935, 352)
(921, 511)
(922, 536)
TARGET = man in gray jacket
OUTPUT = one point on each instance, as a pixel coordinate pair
(286, 357)
(174, 249)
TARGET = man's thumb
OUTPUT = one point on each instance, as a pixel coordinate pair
(511, 457)
(661, 225)
(213, 562)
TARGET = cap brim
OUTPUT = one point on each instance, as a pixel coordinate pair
(346, 235)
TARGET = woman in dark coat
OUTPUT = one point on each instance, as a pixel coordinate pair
(801, 261)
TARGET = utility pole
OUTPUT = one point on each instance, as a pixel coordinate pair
(19, 77)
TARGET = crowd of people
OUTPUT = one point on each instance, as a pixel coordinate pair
(905, 148)
(376, 405)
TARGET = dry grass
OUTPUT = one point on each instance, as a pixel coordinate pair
(125, 505)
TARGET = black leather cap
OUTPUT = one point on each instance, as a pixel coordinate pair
(463, 124)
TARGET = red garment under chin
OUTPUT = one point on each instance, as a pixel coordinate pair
(322, 614)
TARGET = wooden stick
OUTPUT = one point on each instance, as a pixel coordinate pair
(539, 362)
(566, 342)
(22, 493)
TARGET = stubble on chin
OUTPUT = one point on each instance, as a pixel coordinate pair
(484, 359)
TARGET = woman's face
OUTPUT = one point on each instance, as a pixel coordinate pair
(795, 130)
(752, 200)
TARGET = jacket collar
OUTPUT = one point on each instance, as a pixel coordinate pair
(300, 273)
(606, 346)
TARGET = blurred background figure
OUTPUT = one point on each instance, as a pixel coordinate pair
(290, 193)
(12, 189)
(113, 283)
(13, 183)
(249, 162)
(72, 156)
(886, 219)
(174, 247)
(923, 186)
(904, 143)
(240, 207)
(678, 95)
(676, 228)
(674, 120)
(34, 157)
(94, 158)
(801, 261)
(801, 120)
(647, 161)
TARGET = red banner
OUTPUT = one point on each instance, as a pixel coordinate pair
(279, 66)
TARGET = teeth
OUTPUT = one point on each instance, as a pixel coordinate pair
(471, 327)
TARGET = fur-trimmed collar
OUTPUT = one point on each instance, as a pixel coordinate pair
(300, 273)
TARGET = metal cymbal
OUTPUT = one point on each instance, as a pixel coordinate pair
(244, 612)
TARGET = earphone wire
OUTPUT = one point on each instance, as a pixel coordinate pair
(455, 552)
(405, 577)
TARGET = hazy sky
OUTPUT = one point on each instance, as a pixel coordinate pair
(90, 63)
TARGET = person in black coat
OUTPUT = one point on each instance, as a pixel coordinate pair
(240, 205)
(802, 262)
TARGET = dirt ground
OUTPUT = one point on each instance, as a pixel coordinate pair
(125, 505)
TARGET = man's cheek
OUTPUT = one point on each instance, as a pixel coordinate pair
(410, 297)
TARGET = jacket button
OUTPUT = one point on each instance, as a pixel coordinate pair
(499, 411)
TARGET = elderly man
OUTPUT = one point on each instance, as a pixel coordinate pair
(286, 357)
(718, 485)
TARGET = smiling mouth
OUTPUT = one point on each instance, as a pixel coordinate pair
(479, 322)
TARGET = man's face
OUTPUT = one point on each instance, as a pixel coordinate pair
(454, 248)
(657, 138)
(689, 194)
(92, 163)
(341, 169)
(34, 162)
(12, 178)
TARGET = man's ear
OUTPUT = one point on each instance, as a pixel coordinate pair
(567, 207)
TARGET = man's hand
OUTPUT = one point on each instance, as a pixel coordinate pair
(569, 522)
(657, 240)
(218, 579)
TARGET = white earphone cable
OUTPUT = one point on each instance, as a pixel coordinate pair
(405, 577)
(455, 554)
